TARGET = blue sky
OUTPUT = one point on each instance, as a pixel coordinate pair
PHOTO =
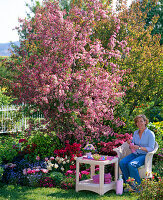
(10, 11)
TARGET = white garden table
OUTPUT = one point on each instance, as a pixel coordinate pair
(88, 184)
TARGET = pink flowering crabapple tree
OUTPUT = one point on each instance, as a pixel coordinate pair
(61, 69)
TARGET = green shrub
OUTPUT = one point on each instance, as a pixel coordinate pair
(154, 112)
(1, 172)
(7, 152)
(57, 177)
(148, 189)
(45, 144)
(68, 182)
(158, 166)
(151, 188)
(5, 100)
(158, 163)
(157, 128)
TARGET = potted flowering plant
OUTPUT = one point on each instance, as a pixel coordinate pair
(89, 149)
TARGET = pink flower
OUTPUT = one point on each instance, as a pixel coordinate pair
(25, 171)
(46, 159)
(45, 171)
(51, 158)
(69, 172)
(22, 140)
(85, 172)
(37, 158)
(29, 172)
(12, 165)
(37, 170)
(97, 169)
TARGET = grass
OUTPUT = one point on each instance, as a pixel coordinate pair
(12, 192)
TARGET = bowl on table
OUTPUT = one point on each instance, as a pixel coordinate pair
(96, 156)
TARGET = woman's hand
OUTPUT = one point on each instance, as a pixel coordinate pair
(134, 147)
(128, 141)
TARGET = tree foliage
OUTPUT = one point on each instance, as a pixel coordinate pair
(61, 68)
(145, 58)
(155, 9)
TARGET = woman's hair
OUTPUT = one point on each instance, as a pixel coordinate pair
(141, 116)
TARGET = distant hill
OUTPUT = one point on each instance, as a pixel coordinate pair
(4, 48)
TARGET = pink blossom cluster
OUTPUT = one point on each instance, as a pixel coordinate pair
(82, 173)
(107, 147)
(34, 170)
(69, 150)
(47, 182)
(23, 140)
(62, 70)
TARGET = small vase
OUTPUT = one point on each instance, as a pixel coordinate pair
(119, 186)
(88, 154)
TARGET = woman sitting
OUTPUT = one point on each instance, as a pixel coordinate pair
(143, 141)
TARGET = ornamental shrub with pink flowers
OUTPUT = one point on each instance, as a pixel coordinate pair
(106, 147)
(64, 69)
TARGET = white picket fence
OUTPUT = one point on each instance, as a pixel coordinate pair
(12, 120)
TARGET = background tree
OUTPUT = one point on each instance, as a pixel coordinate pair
(155, 9)
(5, 74)
(144, 60)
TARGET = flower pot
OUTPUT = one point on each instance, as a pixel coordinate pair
(88, 154)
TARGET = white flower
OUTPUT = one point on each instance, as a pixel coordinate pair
(75, 157)
(55, 166)
(62, 169)
(60, 160)
(25, 171)
(68, 161)
(51, 158)
(57, 158)
(49, 167)
(64, 162)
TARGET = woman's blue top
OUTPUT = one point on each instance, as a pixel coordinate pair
(147, 140)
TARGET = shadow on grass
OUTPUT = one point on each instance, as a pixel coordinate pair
(13, 192)
(71, 194)
(84, 195)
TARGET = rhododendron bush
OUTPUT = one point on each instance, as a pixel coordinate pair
(106, 147)
(61, 69)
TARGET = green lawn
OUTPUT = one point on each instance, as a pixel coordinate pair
(12, 192)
